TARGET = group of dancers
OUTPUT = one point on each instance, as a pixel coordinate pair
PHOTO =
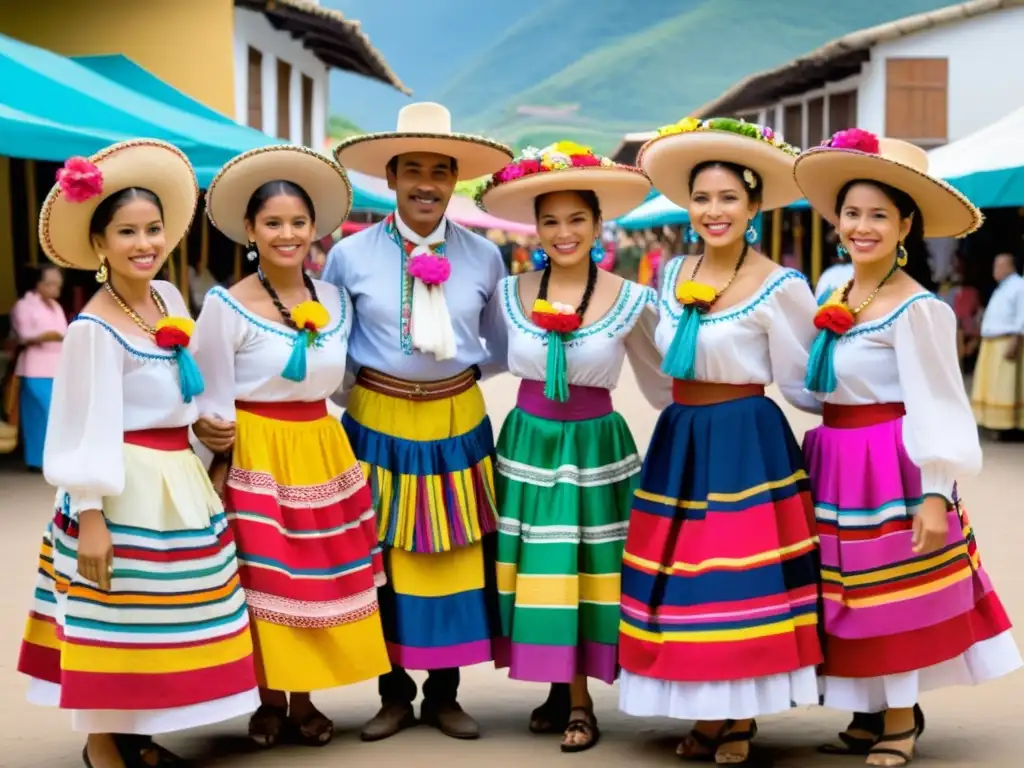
(222, 546)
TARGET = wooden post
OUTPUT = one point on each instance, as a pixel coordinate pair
(815, 247)
(204, 247)
(798, 240)
(33, 213)
(776, 254)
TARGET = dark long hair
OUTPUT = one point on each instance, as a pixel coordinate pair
(105, 211)
(271, 189)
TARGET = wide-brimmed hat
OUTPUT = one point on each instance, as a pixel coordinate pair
(822, 172)
(319, 176)
(422, 127)
(84, 183)
(565, 166)
(671, 156)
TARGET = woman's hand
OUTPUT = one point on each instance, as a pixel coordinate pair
(931, 525)
(95, 549)
(215, 434)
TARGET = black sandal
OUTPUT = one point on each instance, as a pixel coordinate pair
(708, 743)
(736, 737)
(553, 715)
(267, 725)
(914, 733)
(869, 722)
(133, 748)
(302, 731)
(585, 725)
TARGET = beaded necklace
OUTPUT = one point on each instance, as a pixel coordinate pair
(285, 313)
(135, 316)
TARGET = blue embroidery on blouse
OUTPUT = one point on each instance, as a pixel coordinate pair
(886, 321)
(671, 306)
(127, 345)
(264, 325)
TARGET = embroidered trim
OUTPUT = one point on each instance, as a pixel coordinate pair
(127, 345)
(336, 489)
(886, 321)
(607, 324)
(675, 312)
(287, 612)
(405, 290)
(286, 333)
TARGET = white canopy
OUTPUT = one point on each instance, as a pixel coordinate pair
(993, 148)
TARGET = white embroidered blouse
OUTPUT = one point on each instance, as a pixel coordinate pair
(108, 383)
(594, 354)
(909, 356)
(242, 355)
(763, 339)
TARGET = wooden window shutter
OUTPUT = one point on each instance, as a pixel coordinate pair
(793, 125)
(307, 110)
(255, 116)
(917, 100)
(284, 100)
(842, 111)
(815, 122)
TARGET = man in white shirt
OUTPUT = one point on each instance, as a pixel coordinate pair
(998, 391)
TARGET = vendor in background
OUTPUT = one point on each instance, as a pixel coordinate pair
(40, 324)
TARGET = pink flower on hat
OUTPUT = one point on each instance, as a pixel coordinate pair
(856, 139)
(80, 179)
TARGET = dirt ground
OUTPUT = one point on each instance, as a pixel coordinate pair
(966, 727)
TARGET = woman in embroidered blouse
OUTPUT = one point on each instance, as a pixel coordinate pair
(39, 322)
(273, 349)
(908, 606)
(567, 463)
(720, 573)
(139, 623)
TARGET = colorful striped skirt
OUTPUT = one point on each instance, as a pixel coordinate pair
(168, 647)
(566, 476)
(428, 451)
(720, 574)
(896, 623)
(307, 548)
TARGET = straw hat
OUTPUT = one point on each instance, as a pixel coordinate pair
(823, 171)
(677, 149)
(422, 127)
(321, 178)
(84, 183)
(562, 167)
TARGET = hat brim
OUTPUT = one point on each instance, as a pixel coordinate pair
(150, 164)
(670, 159)
(321, 178)
(619, 190)
(822, 172)
(371, 153)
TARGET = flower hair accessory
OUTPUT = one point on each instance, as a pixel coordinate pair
(310, 318)
(80, 180)
(558, 320)
(730, 125)
(175, 334)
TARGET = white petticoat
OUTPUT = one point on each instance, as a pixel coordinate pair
(980, 663)
(720, 700)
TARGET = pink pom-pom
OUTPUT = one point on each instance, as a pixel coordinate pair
(585, 161)
(430, 269)
(80, 180)
(855, 138)
(510, 172)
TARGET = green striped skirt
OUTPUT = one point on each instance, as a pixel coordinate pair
(565, 481)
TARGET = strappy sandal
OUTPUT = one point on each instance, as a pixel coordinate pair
(914, 733)
(553, 715)
(585, 725)
(133, 750)
(267, 725)
(737, 737)
(709, 744)
(869, 722)
(313, 730)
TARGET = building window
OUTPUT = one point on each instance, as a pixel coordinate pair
(917, 100)
(793, 124)
(284, 99)
(815, 122)
(842, 111)
(307, 110)
(255, 100)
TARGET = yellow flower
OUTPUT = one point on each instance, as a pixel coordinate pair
(184, 324)
(310, 314)
(552, 161)
(686, 125)
(690, 292)
(571, 148)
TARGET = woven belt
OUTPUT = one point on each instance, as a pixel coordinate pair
(417, 391)
(686, 392)
(856, 416)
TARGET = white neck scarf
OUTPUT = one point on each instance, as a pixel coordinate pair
(432, 331)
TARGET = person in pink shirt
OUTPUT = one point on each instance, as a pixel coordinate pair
(40, 324)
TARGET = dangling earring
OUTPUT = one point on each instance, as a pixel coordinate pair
(102, 274)
(751, 234)
(691, 235)
(252, 252)
(539, 258)
(841, 252)
(901, 256)
(597, 252)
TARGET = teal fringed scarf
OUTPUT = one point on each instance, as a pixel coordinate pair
(680, 360)
(190, 379)
(295, 369)
(821, 374)
(556, 385)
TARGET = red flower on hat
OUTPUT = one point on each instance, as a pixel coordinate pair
(856, 139)
(834, 317)
(80, 179)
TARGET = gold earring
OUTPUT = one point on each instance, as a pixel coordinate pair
(901, 256)
(101, 273)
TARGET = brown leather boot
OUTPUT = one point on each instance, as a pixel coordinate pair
(392, 718)
(450, 719)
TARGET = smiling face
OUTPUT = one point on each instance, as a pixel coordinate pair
(567, 226)
(870, 226)
(423, 183)
(720, 206)
(282, 230)
(133, 243)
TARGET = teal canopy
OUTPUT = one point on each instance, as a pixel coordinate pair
(28, 136)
